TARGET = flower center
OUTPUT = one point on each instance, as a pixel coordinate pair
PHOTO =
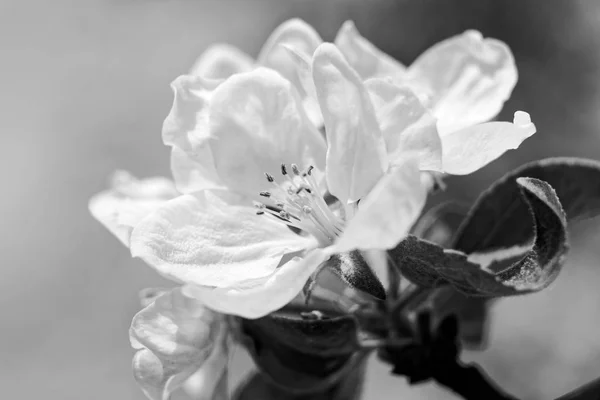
(298, 203)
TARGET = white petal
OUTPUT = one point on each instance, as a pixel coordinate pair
(255, 299)
(364, 57)
(305, 77)
(175, 336)
(257, 122)
(294, 33)
(467, 150)
(356, 157)
(469, 79)
(220, 61)
(407, 127)
(208, 239)
(186, 126)
(129, 200)
(388, 212)
(192, 176)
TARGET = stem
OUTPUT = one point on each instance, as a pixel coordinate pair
(394, 278)
(469, 382)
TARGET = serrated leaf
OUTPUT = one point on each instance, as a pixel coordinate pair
(430, 265)
(500, 217)
(300, 352)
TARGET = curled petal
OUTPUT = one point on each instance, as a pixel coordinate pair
(467, 150)
(356, 156)
(364, 57)
(175, 336)
(220, 61)
(257, 122)
(209, 239)
(407, 127)
(468, 78)
(128, 201)
(186, 126)
(294, 33)
(386, 215)
(259, 297)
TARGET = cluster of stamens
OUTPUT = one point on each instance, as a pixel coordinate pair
(297, 202)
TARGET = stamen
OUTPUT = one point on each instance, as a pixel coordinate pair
(298, 203)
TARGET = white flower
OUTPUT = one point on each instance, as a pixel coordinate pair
(231, 134)
(466, 78)
(463, 81)
(128, 201)
(176, 337)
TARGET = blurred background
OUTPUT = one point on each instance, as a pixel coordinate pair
(84, 87)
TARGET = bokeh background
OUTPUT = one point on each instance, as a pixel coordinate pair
(84, 87)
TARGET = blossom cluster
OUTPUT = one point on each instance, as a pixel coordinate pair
(279, 162)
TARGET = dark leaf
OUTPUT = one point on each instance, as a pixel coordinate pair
(429, 265)
(301, 350)
(343, 283)
(258, 387)
(499, 218)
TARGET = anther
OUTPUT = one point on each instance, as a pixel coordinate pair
(269, 177)
(284, 214)
(260, 212)
(295, 169)
(309, 170)
(283, 169)
(265, 194)
(306, 210)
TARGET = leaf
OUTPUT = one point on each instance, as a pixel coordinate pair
(438, 225)
(499, 218)
(342, 283)
(258, 387)
(429, 265)
(301, 350)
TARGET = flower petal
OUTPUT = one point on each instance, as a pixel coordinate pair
(469, 79)
(257, 122)
(175, 336)
(220, 61)
(356, 156)
(257, 298)
(192, 176)
(186, 126)
(305, 77)
(467, 150)
(364, 57)
(407, 127)
(208, 239)
(386, 215)
(128, 201)
(295, 33)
